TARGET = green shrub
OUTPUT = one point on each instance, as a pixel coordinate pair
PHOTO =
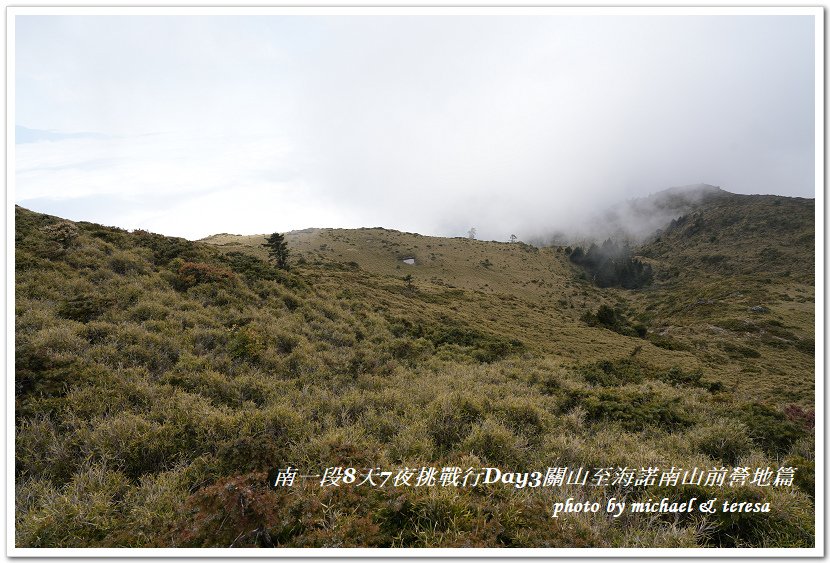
(806, 345)
(253, 268)
(62, 236)
(44, 451)
(611, 374)
(676, 376)
(633, 410)
(83, 513)
(166, 249)
(722, 440)
(84, 308)
(292, 302)
(246, 344)
(666, 342)
(495, 444)
(805, 474)
(417, 520)
(133, 346)
(736, 350)
(190, 274)
(776, 528)
(626, 371)
(756, 529)
(348, 446)
(769, 428)
(151, 507)
(411, 350)
(149, 311)
(111, 235)
(217, 387)
(613, 319)
(124, 263)
(131, 444)
(262, 440)
(451, 418)
(482, 347)
(523, 417)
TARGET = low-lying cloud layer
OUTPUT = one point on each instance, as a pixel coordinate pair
(431, 124)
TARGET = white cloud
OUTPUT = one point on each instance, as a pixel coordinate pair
(428, 124)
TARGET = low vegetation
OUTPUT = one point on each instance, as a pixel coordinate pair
(159, 382)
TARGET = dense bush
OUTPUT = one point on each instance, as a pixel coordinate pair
(252, 268)
(769, 428)
(166, 249)
(613, 319)
(84, 308)
(190, 274)
(722, 440)
(495, 444)
(607, 373)
(476, 344)
(743, 529)
(805, 475)
(633, 409)
(450, 419)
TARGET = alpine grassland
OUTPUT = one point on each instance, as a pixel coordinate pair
(161, 383)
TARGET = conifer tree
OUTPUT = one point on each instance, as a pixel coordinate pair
(277, 250)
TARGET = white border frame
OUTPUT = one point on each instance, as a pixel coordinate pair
(817, 551)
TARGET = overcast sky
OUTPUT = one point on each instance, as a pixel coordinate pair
(196, 125)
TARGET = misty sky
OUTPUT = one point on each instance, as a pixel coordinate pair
(193, 125)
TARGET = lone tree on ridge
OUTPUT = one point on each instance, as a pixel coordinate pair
(277, 250)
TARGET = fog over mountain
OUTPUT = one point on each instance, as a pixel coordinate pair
(632, 220)
(192, 125)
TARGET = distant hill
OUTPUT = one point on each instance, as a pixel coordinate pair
(732, 234)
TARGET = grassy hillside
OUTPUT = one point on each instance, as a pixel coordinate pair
(159, 381)
(736, 283)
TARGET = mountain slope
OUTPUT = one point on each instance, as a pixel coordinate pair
(735, 280)
(159, 381)
(732, 234)
(733, 291)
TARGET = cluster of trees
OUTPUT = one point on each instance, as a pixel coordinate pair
(611, 265)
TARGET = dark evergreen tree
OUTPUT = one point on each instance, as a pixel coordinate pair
(277, 250)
